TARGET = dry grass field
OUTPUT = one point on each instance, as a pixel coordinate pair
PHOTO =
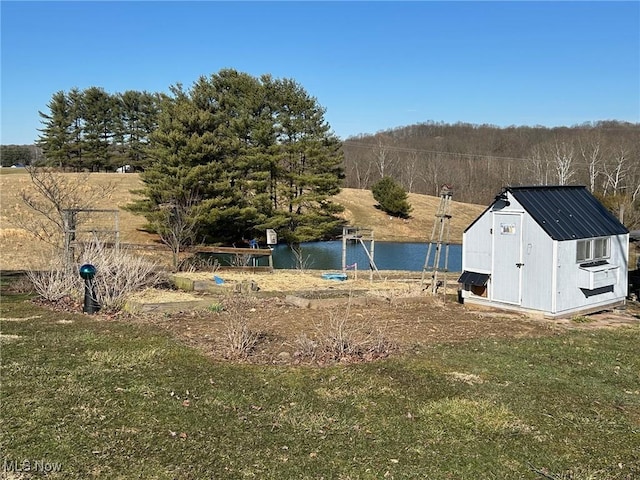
(360, 211)
(20, 250)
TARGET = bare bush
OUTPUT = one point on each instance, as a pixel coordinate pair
(197, 263)
(302, 262)
(305, 346)
(240, 260)
(56, 282)
(176, 222)
(241, 340)
(119, 273)
(341, 338)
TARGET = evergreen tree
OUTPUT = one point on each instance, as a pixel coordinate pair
(309, 166)
(76, 102)
(254, 153)
(98, 114)
(135, 119)
(56, 139)
(391, 197)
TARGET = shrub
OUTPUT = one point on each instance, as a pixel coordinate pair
(341, 338)
(56, 282)
(240, 339)
(302, 262)
(119, 274)
(391, 197)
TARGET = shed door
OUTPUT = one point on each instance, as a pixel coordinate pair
(507, 257)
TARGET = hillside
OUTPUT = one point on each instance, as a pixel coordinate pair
(360, 211)
(20, 251)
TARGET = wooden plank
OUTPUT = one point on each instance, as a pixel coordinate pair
(127, 246)
(262, 252)
(173, 307)
(256, 252)
(247, 268)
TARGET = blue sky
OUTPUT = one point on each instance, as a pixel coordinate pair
(372, 65)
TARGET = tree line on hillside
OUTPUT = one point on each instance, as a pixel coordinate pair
(478, 160)
(19, 155)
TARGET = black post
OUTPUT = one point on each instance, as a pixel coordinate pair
(91, 305)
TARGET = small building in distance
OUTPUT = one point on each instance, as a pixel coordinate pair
(555, 250)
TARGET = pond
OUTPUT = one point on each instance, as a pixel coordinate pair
(387, 256)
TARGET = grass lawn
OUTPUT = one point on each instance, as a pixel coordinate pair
(89, 397)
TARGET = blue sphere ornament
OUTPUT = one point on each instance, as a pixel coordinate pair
(87, 271)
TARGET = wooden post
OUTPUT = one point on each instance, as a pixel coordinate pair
(371, 265)
(344, 249)
(69, 235)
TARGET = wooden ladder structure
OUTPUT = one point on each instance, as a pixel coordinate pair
(359, 235)
(439, 236)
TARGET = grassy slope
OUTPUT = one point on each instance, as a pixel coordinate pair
(19, 250)
(114, 399)
(360, 211)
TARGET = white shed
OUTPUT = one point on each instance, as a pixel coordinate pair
(551, 249)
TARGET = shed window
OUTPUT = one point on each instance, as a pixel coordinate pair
(592, 249)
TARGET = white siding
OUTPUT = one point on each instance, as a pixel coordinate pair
(476, 246)
(569, 295)
(538, 269)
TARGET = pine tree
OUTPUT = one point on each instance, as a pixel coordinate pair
(391, 197)
(307, 167)
(254, 153)
(134, 120)
(76, 101)
(98, 131)
(56, 138)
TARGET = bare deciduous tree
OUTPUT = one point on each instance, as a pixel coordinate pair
(383, 157)
(409, 170)
(52, 195)
(359, 172)
(539, 166)
(562, 156)
(177, 222)
(615, 171)
(430, 173)
(622, 184)
(590, 151)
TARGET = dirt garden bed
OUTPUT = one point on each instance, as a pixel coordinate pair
(396, 318)
(397, 314)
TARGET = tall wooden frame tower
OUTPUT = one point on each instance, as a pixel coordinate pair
(439, 238)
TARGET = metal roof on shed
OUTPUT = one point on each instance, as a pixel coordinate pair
(567, 212)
